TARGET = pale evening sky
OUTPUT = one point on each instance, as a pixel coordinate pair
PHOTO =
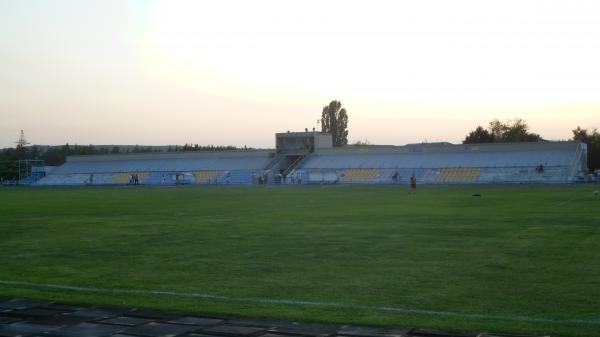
(236, 72)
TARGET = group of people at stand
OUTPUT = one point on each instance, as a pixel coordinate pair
(134, 179)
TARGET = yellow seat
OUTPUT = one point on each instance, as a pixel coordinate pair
(206, 177)
(360, 175)
(458, 175)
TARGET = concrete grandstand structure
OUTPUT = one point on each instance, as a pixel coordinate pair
(232, 167)
(308, 158)
(443, 163)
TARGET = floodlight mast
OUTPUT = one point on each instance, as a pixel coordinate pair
(22, 142)
(24, 165)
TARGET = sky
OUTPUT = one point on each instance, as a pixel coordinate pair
(236, 72)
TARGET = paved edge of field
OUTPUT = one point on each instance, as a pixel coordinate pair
(24, 317)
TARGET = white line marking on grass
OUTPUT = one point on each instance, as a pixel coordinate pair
(299, 303)
(566, 201)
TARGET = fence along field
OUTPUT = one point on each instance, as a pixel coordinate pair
(518, 259)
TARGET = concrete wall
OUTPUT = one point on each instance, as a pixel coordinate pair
(323, 141)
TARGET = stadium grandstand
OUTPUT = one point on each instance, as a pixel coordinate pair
(232, 167)
(444, 163)
(309, 158)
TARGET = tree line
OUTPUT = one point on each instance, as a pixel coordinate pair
(592, 139)
(517, 130)
(51, 155)
(56, 155)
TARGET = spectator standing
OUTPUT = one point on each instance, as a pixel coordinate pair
(413, 184)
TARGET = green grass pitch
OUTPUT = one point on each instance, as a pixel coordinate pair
(520, 259)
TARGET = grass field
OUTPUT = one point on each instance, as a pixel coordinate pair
(520, 259)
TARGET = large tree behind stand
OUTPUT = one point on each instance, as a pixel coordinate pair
(334, 120)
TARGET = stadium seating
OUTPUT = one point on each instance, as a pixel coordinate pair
(64, 179)
(458, 175)
(158, 178)
(240, 177)
(206, 177)
(442, 163)
(321, 177)
(234, 167)
(360, 176)
(450, 164)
